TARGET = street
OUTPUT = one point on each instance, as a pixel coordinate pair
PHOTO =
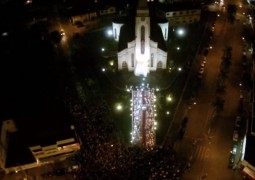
(208, 137)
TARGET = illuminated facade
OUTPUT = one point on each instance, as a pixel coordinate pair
(38, 154)
(62, 148)
(142, 54)
(180, 13)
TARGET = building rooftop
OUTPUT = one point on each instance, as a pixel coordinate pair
(178, 6)
(44, 126)
(142, 4)
(31, 96)
(127, 34)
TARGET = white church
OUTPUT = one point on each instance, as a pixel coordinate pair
(145, 51)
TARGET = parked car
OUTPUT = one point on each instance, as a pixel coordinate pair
(62, 32)
(79, 24)
(199, 76)
(238, 121)
(235, 135)
(202, 65)
(231, 161)
(201, 70)
(234, 149)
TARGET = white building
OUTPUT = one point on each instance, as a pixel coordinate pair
(107, 11)
(143, 53)
(61, 149)
(180, 13)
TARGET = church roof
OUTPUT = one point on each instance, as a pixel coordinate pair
(157, 36)
(127, 34)
(127, 31)
(142, 4)
(120, 20)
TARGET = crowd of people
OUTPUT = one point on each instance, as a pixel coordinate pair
(104, 155)
(143, 117)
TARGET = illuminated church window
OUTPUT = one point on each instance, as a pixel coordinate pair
(142, 39)
(132, 60)
(152, 59)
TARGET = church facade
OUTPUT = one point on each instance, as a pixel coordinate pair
(142, 54)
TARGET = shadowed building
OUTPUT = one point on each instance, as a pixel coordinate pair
(45, 136)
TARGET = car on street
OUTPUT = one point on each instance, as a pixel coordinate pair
(201, 70)
(234, 149)
(202, 65)
(204, 61)
(62, 33)
(231, 161)
(79, 24)
(208, 46)
(238, 121)
(199, 76)
(235, 135)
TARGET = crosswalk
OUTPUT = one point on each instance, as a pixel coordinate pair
(200, 153)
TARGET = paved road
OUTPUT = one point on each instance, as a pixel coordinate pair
(207, 144)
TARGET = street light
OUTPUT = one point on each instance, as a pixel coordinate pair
(111, 63)
(181, 32)
(169, 98)
(109, 32)
(119, 107)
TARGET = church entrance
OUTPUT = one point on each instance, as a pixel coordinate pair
(124, 65)
(159, 65)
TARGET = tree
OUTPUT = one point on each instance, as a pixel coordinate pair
(219, 104)
(55, 37)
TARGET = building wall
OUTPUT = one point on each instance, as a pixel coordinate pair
(164, 29)
(183, 17)
(142, 50)
(107, 11)
(162, 58)
(7, 127)
(125, 56)
(42, 153)
(116, 31)
(142, 55)
(180, 17)
(156, 55)
(84, 17)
